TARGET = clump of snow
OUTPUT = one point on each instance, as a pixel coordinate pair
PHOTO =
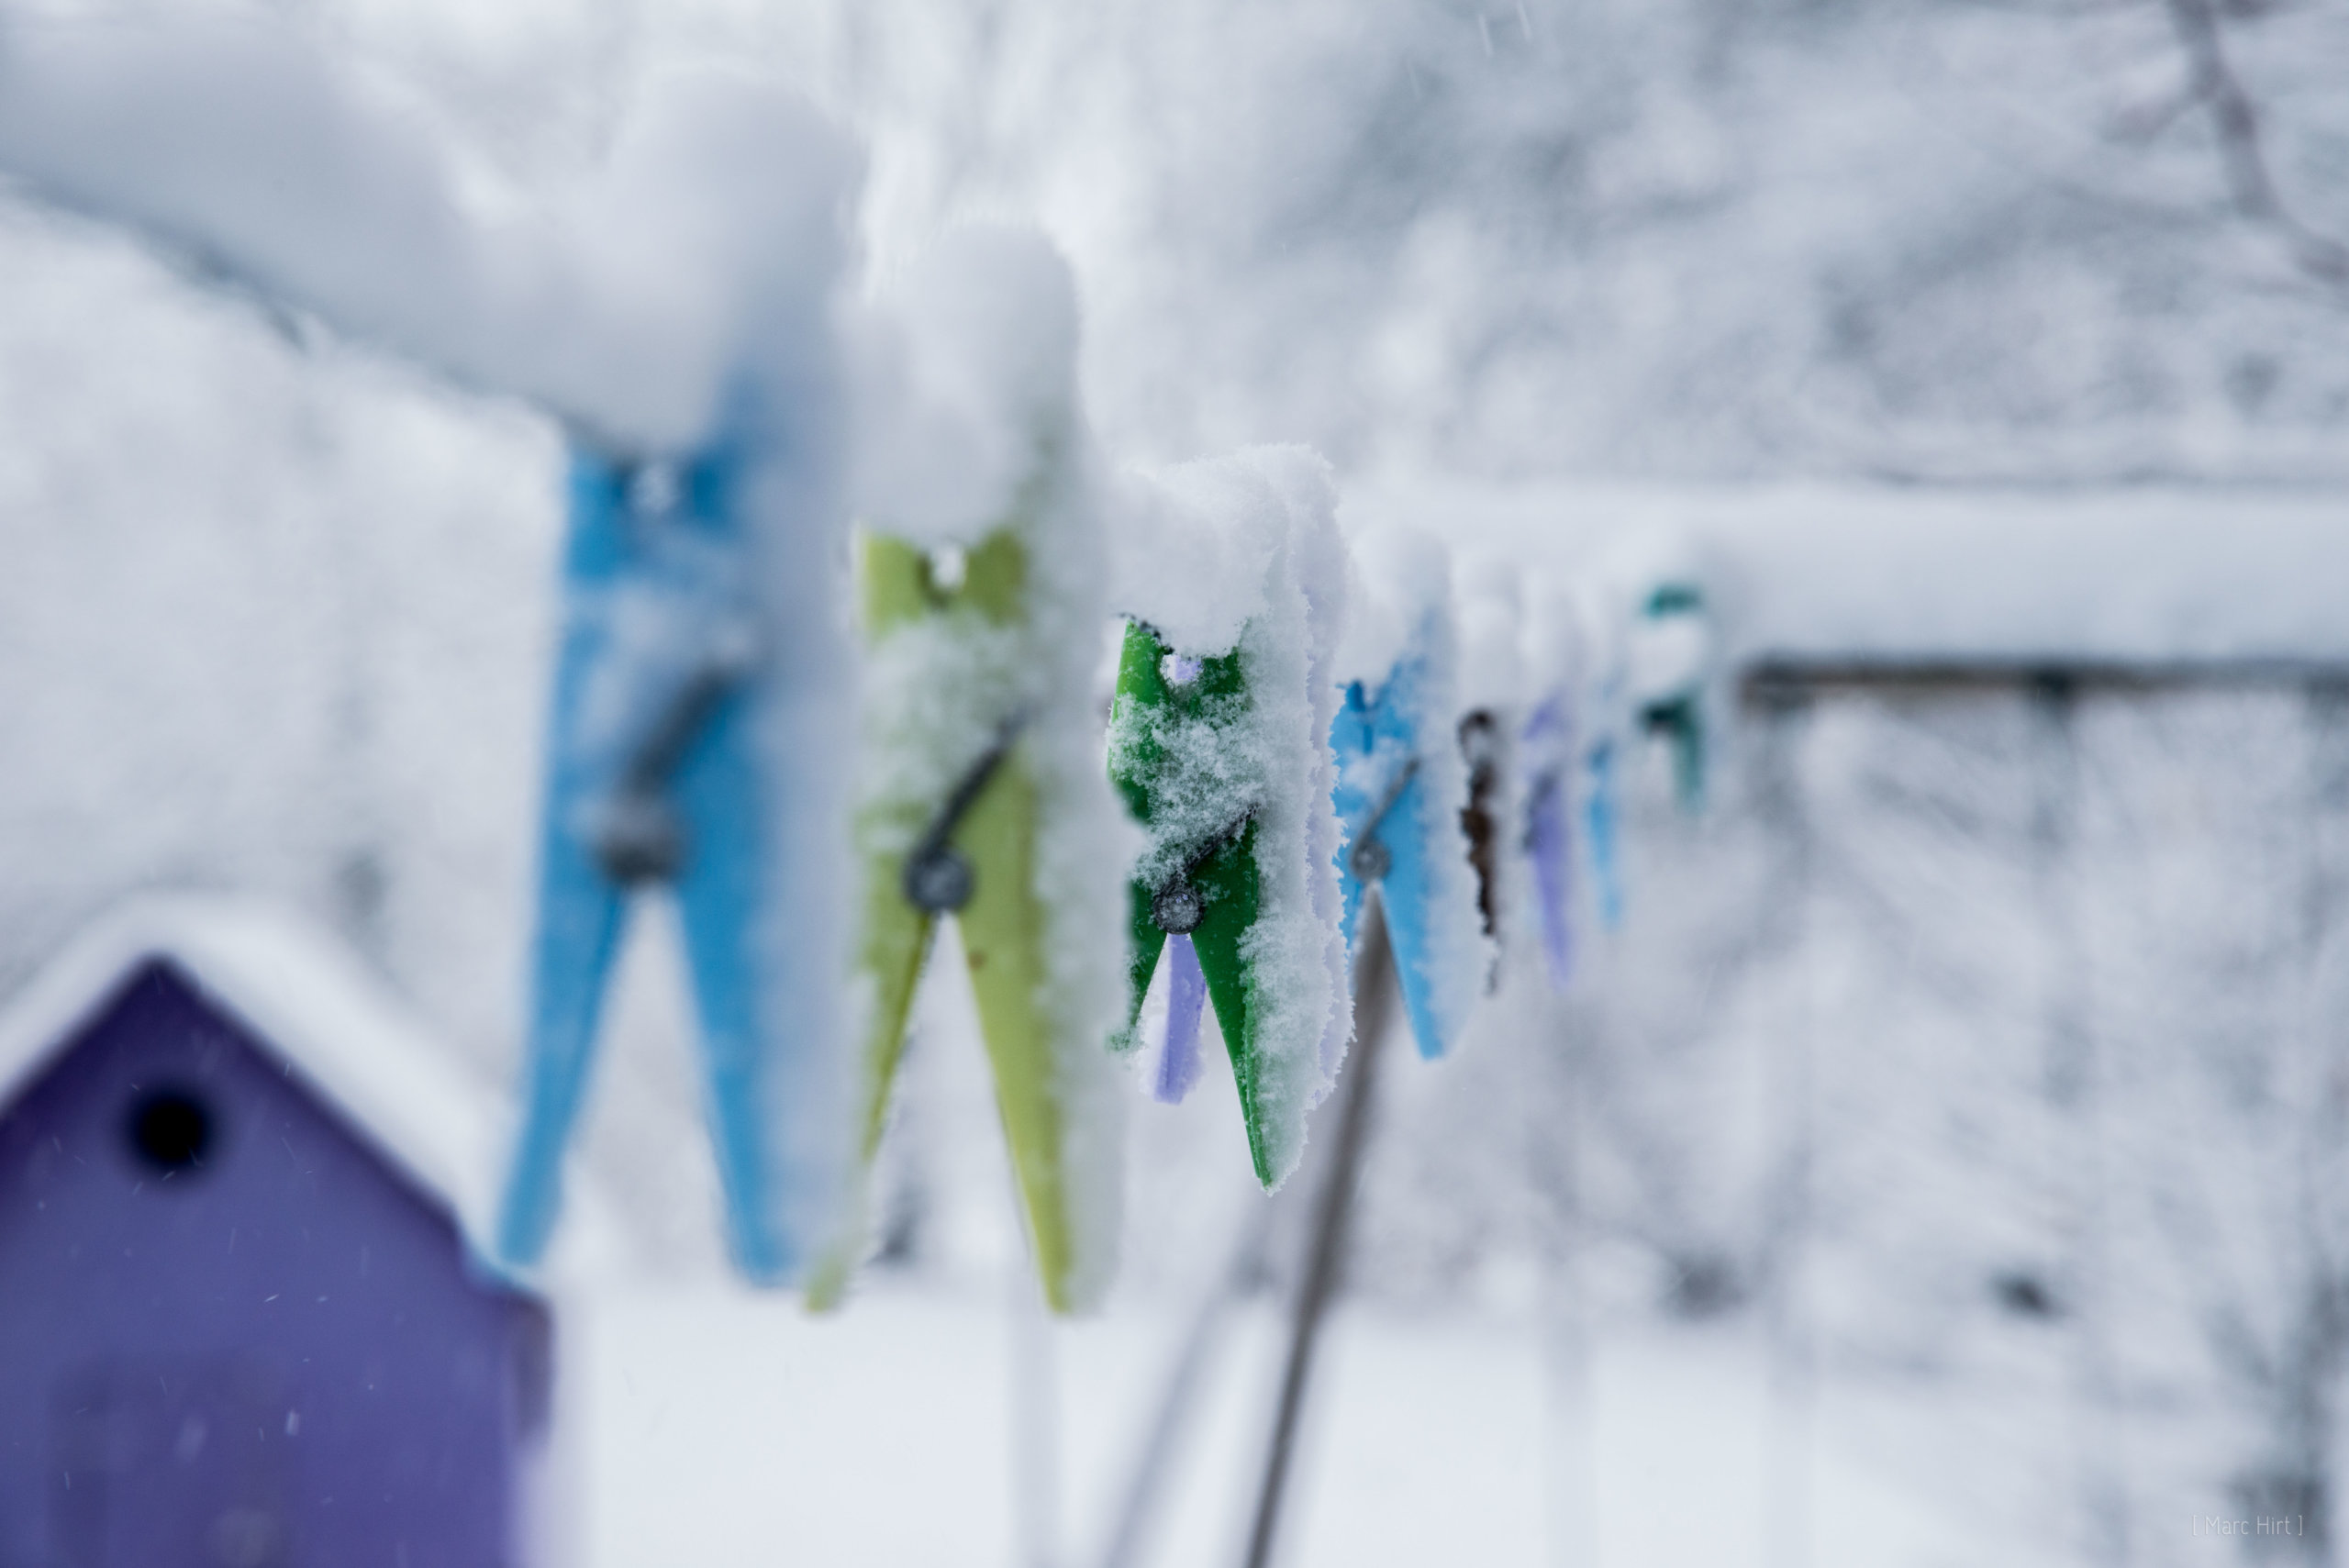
(966, 364)
(1554, 641)
(1490, 610)
(1193, 568)
(940, 691)
(703, 250)
(1242, 554)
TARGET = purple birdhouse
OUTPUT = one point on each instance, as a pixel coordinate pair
(240, 1321)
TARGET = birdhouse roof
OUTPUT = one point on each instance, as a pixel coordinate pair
(335, 1026)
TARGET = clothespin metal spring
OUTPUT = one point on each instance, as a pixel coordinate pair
(938, 878)
(1370, 859)
(1179, 907)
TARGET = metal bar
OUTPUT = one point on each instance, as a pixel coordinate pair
(1769, 678)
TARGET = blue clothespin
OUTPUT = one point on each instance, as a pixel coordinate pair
(653, 777)
(1403, 833)
(1602, 819)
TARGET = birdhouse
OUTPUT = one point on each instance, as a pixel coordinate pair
(241, 1320)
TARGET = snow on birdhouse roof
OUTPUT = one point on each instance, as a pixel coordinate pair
(2153, 575)
(310, 1001)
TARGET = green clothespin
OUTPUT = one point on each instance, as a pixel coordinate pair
(1220, 744)
(1172, 720)
(984, 588)
(970, 853)
(1673, 641)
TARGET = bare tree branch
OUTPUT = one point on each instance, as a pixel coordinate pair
(2235, 118)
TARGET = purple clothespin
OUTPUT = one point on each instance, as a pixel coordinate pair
(1549, 832)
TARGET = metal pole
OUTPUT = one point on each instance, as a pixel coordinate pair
(1184, 1380)
(1325, 1254)
(1553, 1130)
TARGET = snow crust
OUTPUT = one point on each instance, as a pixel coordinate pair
(1243, 553)
(625, 302)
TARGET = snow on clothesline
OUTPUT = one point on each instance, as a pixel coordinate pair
(686, 313)
(623, 303)
(2157, 575)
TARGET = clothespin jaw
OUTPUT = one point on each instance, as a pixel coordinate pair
(1210, 888)
(651, 777)
(1395, 832)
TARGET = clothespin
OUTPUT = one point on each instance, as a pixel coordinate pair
(1220, 751)
(1599, 703)
(1555, 652)
(1202, 888)
(970, 850)
(1484, 743)
(1402, 789)
(1546, 746)
(654, 778)
(1490, 614)
(1670, 648)
(1602, 818)
(983, 799)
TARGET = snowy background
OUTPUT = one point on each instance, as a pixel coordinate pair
(1943, 1165)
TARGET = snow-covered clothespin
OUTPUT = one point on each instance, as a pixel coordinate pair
(1546, 746)
(983, 590)
(1402, 785)
(1547, 755)
(1669, 654)
(1600, 706)
(1218, 742)
(1489, 613)
(1602, 812)
(655, 777)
